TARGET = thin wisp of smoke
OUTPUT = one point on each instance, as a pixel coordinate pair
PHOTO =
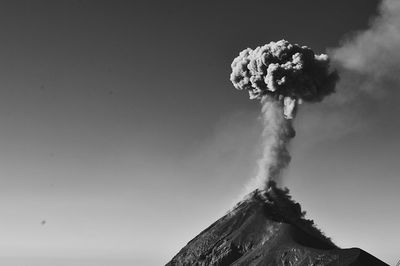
(374, 51)
(281, 75)
(369, 60)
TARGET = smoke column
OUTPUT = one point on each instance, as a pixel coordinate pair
(281, 76)
(277, 132)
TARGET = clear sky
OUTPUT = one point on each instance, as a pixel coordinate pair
(121, 136)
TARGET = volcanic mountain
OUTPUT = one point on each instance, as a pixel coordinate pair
(267, 228)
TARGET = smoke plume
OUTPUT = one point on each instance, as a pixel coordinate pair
(282, 76)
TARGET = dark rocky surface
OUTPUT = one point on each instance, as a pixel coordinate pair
(267, 228)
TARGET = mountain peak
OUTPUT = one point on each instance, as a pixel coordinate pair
(266, 228)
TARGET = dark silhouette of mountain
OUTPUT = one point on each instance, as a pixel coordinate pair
(267, 228)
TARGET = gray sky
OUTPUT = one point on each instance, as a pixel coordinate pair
(120, 129)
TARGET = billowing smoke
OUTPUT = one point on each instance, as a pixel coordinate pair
(282, 76)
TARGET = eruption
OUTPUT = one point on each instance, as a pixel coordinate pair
(282, 76)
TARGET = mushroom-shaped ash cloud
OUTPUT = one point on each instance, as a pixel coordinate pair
(286, 72)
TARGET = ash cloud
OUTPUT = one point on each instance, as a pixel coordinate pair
(282, 76)
(284, 71)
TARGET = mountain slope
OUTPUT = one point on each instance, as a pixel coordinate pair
(267, 228)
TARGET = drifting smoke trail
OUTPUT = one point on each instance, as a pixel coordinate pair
(281, 76)
(370, 60)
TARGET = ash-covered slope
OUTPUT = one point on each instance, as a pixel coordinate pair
(267, 228)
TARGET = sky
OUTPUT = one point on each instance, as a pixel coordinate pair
(121, 136)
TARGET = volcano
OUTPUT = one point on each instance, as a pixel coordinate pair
(267, 228)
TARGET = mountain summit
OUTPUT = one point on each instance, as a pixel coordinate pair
(267, 228)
